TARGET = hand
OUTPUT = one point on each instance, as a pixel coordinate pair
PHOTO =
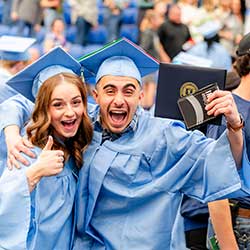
(14, 16)
(16, 144)
(222, 102)
(49, 162)
(37, 27)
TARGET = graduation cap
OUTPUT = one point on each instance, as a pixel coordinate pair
(178, 81)
(209, 29)
(188, 59)
(13, 48)
(28, 81)
(119, 58)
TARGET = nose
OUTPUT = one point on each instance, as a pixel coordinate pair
(119, 99)
(69, 111)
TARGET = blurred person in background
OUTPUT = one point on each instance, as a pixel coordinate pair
(84, 14)
(150, 42)
(56, 36)
(27, 15)
(232, 228)
(6, 19)
(14, 55)
(112, 16)
(173, 33)
(232, 28)
(52, 9)
(210, 48)
(189, 11)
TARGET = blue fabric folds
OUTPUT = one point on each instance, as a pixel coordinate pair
(42, 220)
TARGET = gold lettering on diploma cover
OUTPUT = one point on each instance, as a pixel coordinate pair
(188, 88)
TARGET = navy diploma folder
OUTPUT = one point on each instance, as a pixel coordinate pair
(175, 82)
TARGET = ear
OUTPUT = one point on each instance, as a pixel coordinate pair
(95, 95)
(141, 95)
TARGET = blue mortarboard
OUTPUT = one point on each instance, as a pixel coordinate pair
(209, 29)
(14, 48)
(28, 81)
(120, 58)
(188, 59)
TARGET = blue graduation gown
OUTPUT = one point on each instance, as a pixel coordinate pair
(8, 110)
(216, 53)
(130, 189)
(42, 219)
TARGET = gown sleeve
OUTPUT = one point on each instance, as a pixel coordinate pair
(15, 110)
(197, 166)
(14, 209)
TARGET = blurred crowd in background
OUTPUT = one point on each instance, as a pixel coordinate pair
(209, 29)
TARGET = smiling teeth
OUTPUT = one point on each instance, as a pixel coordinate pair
(69, 122)
(118, 112)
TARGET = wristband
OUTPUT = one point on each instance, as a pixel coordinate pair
(235, 129)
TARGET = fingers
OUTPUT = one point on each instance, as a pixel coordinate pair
(60, 159)
(27, 143)
(26, 150)
(14, 153)
(14, 156)
(12, 162)
(220, 102)
(217, 94)
(57, 171)
(49, 143)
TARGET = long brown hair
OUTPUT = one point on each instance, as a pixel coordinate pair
(40, 127)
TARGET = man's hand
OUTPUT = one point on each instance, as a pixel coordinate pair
(222, 102)
(15, 145)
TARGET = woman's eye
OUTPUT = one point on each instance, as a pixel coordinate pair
(57, 104)
(77, 102)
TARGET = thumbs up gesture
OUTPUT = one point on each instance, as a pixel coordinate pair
(49, 162)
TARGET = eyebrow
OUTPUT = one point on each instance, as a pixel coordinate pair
(109, 86)
(126, 86)
(130, 85)
(61, 99)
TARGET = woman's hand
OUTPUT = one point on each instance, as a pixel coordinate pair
(49, 162)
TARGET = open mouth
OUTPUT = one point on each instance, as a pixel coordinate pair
(68, 124)
(118, 116)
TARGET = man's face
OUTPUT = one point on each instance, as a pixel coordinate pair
(118, 97)
(175, 14)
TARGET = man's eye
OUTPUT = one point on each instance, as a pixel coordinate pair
(129, 92)
(110, 91)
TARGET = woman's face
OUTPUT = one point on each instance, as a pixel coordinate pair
(66, 109)
(58, 27)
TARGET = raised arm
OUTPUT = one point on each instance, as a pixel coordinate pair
(222, 102)
(14, 113)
